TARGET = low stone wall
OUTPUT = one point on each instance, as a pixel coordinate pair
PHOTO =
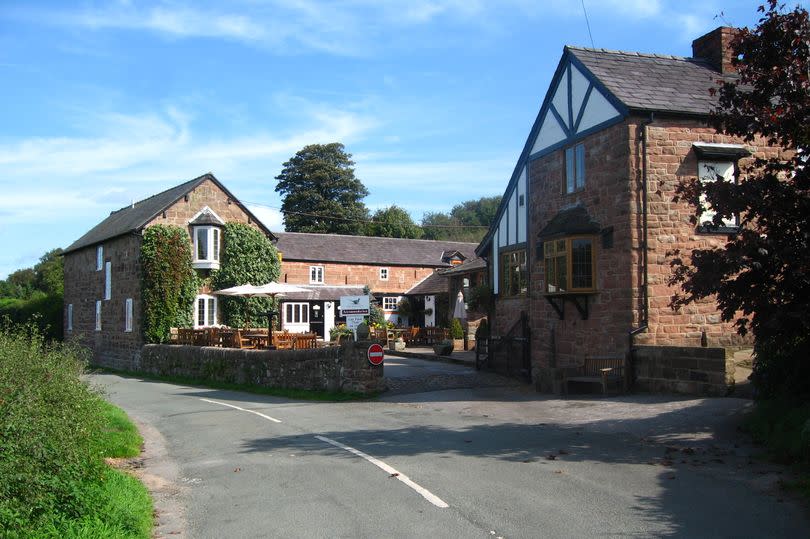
(337, 368)
(681, 369)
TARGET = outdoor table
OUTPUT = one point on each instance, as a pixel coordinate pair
(261, 339)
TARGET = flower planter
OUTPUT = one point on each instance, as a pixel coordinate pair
(443, 348)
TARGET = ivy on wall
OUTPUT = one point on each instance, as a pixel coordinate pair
(168, 281)
(248, 256)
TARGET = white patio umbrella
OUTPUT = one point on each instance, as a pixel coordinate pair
(460, 309)
(269, 290)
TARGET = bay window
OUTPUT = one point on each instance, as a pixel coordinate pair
(206, 247)
(570, 264)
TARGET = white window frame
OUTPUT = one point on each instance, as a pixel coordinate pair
(99, 258)
(213, 240)
(575, 168)
(708, 171)
(383, 274)
(209, 314)
(108, 280)
(70, 317)
(296, 313)
(389, 303)
(316, 275)
(128, 315)
(98, 315)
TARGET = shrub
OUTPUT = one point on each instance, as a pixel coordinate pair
(169, 283)
(41, 309)
(456, 331)
(248, 256)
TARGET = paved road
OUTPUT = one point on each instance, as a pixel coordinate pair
(506, 462)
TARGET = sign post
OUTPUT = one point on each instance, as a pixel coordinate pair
(376, 354)
(354, 308)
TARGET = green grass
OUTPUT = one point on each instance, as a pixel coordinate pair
(295, 394)
(783, 429)
(54, 434)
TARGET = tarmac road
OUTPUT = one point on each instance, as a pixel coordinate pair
(486, 462)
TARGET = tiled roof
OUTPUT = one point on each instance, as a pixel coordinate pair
(653, 82)
(132, 218)
(300, 246)
(435, 283)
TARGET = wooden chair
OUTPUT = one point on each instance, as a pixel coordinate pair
(242, 342)
(283, 341)
(305, 341)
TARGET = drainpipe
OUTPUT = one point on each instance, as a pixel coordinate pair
(645, 296)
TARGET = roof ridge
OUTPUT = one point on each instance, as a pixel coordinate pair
(376, 237)
(198, 178)
(636, 54)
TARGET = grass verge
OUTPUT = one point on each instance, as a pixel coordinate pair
(783, 429)
(55, 432)
(295, 394)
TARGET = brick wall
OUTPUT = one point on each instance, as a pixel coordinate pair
(400, 278)
(681, 369)
(607, 197)
(112, 346)
(339, 368)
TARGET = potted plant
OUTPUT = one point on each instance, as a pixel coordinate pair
(443, 348)
(457, 333)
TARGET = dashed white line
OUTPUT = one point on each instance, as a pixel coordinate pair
(273, 419)
(426, 494)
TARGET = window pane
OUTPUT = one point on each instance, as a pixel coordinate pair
(304, 313)
(580, 166)
(212, 312)
(202, 244)
(216, 243)
(201, 312)
(581, 263)
(288, 313)
(569, 170)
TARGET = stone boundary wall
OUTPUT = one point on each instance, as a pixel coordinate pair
(683, 369)
(336, 368)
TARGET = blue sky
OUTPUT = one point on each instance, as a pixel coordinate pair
(109, 102)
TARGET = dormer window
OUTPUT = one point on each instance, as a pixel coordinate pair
(207, 237)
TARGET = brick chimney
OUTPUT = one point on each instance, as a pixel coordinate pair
(714, 48)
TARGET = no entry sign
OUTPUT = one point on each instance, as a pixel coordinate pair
(376, 354)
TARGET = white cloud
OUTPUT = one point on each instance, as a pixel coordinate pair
(271, 218)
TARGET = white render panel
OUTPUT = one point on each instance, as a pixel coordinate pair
(579, 85)
(550, 133)
(597, 110)
(511, 237)
(503, 237)
(494, 263)
(521, 211)
(560, 100)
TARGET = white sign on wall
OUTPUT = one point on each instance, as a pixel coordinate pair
(354, 305)
(354, 320)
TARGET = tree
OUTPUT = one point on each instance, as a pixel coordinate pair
(761, 277)
(393, 222)
(467, 221)
(320, 192)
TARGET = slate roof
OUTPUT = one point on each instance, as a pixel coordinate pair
(435, 283)
(310, 247)
(323, 293)
(469, 266)
(134, 217)
(653, 82)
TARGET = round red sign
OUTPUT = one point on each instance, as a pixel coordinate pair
(376, 354)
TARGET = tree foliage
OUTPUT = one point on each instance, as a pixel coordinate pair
(320, 192)
(168, 281)
(35, 295)
(248, 256)
(761, 277)
(393, 222)
(475, 214)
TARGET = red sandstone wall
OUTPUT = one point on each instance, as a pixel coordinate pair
(400, 278)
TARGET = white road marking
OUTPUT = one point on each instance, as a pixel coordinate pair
(273, 419)
(426, 494)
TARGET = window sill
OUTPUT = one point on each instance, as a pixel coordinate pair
(724, 230)
(205, 264)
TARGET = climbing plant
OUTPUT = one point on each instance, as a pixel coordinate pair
(248, 256)
(168, 281)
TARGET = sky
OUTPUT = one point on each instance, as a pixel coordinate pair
(105, 103)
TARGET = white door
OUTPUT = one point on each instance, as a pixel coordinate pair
(296, 317)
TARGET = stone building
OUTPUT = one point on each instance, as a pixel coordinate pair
(103, 272)
(331, 266)
(577, 254)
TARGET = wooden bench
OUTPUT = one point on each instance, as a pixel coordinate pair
(598, 370)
